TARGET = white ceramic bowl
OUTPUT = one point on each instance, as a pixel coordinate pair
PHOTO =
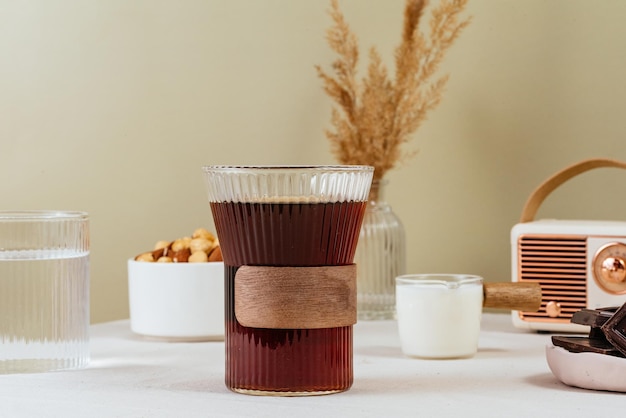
(177, 301)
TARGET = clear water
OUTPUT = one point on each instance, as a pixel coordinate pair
(44, 310)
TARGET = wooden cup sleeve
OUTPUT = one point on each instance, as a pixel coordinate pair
(295, 297)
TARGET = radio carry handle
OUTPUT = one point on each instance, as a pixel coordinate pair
(543, 191)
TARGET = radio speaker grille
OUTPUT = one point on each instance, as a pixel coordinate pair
(559, 265)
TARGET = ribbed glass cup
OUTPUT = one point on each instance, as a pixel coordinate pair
(44, 291)
(286, 216)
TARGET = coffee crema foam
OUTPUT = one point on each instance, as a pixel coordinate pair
(291, 199)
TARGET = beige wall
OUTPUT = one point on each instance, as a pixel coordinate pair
(113, 106)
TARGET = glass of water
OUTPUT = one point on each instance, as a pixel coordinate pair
(44, 291)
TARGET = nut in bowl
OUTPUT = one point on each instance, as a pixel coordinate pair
(176, 291)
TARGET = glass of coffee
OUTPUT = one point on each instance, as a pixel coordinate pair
(288, 236)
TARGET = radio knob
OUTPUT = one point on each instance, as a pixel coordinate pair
(609, 268)
(553, 309)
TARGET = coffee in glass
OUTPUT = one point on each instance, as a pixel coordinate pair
(288, 217)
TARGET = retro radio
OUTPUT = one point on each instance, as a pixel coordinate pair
(578, 264)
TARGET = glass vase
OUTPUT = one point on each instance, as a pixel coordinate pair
(380, 257)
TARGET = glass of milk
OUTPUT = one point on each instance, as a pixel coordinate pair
(44, 291)
(439, 314)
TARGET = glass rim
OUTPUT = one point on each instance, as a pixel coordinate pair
(281, 167)
(450, 281)
(41, 215)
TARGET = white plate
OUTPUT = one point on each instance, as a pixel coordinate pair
(587, 370)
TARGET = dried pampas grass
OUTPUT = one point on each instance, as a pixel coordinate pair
(374, 118)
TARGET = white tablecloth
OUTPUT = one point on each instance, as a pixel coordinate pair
(133, 377)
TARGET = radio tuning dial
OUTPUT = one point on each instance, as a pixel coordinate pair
(609, 268)
(614, 270)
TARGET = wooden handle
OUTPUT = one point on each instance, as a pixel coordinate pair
(540, 193)
(515, 296)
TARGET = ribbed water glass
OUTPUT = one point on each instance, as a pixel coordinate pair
(44, 291)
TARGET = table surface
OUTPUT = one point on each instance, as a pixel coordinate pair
(129, 376)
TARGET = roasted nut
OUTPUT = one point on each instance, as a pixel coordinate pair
(180, 256)
(161, 245)
(203, 246)
(216, 254)
(180, 244)
(198, 257)
(203, 233)
(161, 252)
(147, 257)
(200, 244)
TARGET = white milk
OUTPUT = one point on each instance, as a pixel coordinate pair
(439, 315)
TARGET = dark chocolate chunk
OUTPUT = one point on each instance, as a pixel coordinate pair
(593, 317)
(595, 333)
(586, 345)
(615, 329)
(596, 341)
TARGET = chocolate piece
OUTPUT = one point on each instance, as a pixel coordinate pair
(595, 318)
(586, 345)
(596, 341)
(615, 329)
